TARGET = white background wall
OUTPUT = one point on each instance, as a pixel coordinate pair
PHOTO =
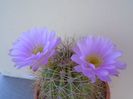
(111, 18)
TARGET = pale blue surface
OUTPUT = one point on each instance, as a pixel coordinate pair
(15, 88)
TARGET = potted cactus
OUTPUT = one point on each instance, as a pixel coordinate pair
(68, 69)
(58, 80)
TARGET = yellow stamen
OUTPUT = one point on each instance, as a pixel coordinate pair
(95, 60)
(37, 49)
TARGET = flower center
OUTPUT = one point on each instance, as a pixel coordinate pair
(95, 60)
(37, 49)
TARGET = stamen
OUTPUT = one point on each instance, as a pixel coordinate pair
(95, 60)
(37, 49)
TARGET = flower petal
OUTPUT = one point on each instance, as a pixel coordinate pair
(78, 68)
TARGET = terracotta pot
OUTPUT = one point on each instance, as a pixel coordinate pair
(107, 91)
(37, 91)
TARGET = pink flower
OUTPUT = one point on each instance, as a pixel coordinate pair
(34, 48)
(97, 57)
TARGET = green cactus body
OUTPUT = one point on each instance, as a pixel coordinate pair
(58, 80)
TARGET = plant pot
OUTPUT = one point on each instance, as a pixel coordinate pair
(37, 91)
(107, 91)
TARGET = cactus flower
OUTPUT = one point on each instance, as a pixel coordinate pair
(34, 48)
(97, 57)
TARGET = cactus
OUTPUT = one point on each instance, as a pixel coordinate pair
(58, 80)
